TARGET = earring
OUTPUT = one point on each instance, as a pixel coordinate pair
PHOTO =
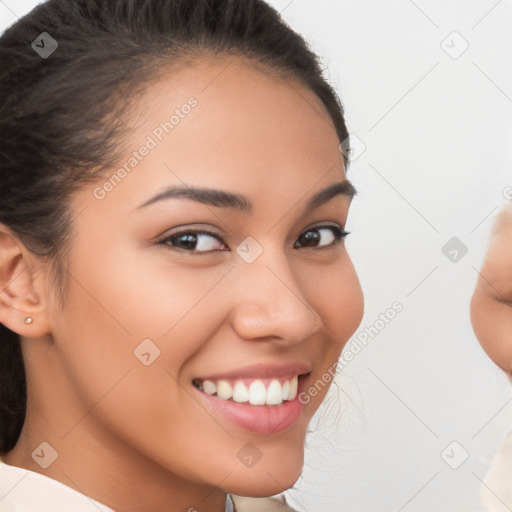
(28, 320)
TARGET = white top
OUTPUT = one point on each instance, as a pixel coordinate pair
(22, 490)
(496, 492)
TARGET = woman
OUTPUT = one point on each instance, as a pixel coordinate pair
(175, 287)
(491, 316)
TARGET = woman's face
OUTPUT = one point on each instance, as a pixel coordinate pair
(152, 307)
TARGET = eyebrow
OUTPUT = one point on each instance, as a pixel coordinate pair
(223, 199)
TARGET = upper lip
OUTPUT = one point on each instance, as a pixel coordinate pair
(262, 371)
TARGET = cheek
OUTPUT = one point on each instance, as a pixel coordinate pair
(334, 292)
(112, 386)
(143, 317)
(115, 323)
(139, 293)
(492, 324)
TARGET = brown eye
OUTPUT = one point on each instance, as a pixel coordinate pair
(195, 241)
(321, 236)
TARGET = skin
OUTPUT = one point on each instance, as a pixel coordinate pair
(131, 436)
(491, 304)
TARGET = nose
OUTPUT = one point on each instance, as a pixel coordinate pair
(271, 304)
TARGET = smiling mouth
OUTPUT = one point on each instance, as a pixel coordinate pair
(267, 391)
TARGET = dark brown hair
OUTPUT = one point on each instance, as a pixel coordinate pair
(61, 114)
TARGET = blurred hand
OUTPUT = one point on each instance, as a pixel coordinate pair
(491, 304)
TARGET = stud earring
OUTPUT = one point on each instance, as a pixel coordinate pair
(28, 320)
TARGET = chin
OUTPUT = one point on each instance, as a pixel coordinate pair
(266, 480)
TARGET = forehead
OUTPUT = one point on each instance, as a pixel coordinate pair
(249, 129)
(244, 110)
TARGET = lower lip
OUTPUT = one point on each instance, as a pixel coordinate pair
(260, 419)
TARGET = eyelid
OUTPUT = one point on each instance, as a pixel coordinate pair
(195, 231)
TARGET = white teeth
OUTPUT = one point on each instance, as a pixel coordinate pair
(274, 393)
(209, 387)
(255, 394)
(286, 390)
(224, 390)
(240, 392)
(293, 388)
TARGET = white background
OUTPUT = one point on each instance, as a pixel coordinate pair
(438, 137)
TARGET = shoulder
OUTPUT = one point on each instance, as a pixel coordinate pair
(243, 504)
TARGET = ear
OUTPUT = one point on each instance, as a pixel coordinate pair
(22, 287)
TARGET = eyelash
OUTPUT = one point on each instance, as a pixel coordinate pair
(339, 236)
